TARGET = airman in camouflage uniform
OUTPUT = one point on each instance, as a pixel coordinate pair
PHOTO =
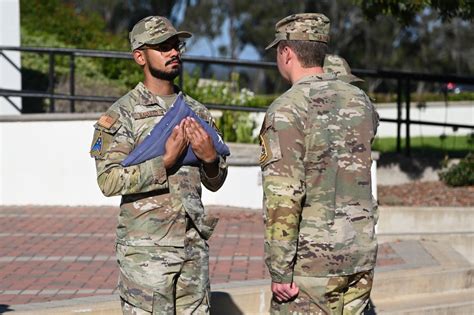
(339, 66)
(162, 226)
(320, 216)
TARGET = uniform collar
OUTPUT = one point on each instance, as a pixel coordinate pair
(146, 97)
(316, 77)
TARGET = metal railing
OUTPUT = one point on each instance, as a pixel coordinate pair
(402, 78)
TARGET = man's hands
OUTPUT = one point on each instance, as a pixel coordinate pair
(175, 145)
(284, 292)
(201, 142)
(189, 131)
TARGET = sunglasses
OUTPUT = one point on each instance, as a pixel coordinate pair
(165, 47)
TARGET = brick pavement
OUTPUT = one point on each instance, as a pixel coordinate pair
(56, 253)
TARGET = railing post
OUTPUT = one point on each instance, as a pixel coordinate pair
(72, 91)
(399, 115)
(407, 124)
(51, 82)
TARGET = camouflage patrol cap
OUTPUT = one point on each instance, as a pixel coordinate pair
(153, 30)
(302, 26)
(339, 66)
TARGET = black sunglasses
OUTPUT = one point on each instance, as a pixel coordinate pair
(179, 46)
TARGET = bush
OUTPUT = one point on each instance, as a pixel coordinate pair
(461, 174)
(235, 126)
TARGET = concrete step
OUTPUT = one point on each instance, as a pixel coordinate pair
(453, 302)
(423, 281)
(429, 267)
(241, 297)
(462, 242)
(401, 220)
(454, 225)
(94, 305)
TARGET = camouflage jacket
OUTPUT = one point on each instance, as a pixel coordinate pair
(154, 201)
(316, 156)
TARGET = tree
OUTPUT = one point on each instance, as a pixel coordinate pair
(120, 16)
(406, 11)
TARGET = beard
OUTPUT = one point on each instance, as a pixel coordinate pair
(166, 75)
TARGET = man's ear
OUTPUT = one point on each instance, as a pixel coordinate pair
(288, 54)
(139, 57)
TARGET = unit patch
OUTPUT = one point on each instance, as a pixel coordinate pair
(267, 154)
(97, 145)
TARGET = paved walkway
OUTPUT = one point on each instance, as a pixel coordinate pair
(57, 253)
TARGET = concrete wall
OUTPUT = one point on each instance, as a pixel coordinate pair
(10, 76)
(48, 163)
(456, 113)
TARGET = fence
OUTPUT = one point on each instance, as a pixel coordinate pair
(402, 78)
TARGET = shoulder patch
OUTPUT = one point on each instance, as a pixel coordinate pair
(264, 152)
(97, 143)
(269, 142)
(108, 120)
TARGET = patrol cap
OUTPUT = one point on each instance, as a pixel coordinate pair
(302, 26)
(153, 30)
(339, 66)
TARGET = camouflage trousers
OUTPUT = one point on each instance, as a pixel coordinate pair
(165, 280)
(345, 295)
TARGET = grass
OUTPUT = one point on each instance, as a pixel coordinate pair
(423, 97)
(452, 146)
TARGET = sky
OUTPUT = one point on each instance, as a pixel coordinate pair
(201, 46)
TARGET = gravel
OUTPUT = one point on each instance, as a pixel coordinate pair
(426, 194)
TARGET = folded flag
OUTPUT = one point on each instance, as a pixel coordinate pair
(154, 143)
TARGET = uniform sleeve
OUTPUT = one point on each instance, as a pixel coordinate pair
(375, 116)
(283, 150)
(110, 147)
(214, 183)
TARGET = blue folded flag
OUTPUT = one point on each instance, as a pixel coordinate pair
(154, 144)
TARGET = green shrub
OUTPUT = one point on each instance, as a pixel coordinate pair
(235, 126)
(461, 174)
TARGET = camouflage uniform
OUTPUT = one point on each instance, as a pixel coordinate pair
(339, 66)
(162, 226)
(318, 207)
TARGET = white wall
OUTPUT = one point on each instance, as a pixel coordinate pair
(456, 113)
(10, 76)
(242, 188)
(48, 163)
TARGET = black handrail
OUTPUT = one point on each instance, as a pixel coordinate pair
(379, 73)
(403, 79)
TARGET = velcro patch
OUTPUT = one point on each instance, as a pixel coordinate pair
(152, 113)
(107, 121)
